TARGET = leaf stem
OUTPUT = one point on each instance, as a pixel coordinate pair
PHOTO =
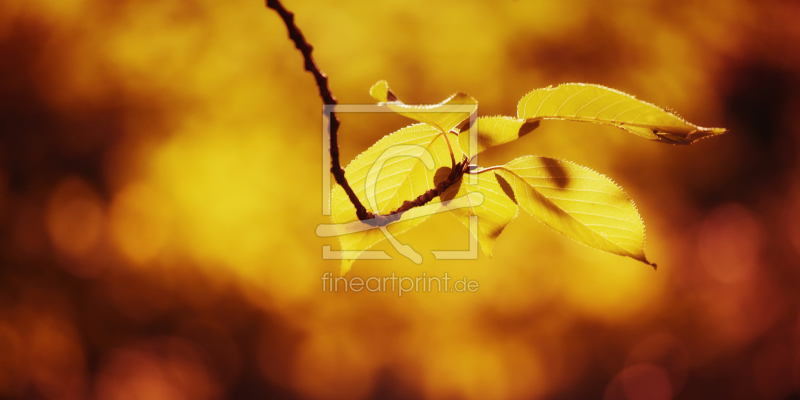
(452, 156)
(489, 169)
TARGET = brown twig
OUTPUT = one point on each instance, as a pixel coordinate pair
(455, 174)
(327, 97)
(336, 168)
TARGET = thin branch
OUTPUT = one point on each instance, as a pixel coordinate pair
(455, 174)
(336, 168)
(327, 97)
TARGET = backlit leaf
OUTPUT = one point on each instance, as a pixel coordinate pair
(595, 103)
(444, 116)
(494, 131)
(393, 170)
(494, 213)
(578, 202)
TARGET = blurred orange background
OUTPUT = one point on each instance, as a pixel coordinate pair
(160, 189)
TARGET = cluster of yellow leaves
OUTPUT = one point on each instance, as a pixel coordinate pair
(574, 200)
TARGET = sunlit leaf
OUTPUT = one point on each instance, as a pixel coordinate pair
(444, 116)
(578, 202)
(494, 213)
(594, 103)
(393, 170)
(494, 131)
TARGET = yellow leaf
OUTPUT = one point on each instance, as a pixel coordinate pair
(399, 167)
(595, 103)
(494, 213)
(444, 116)
(576, 201)
(494, 131)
